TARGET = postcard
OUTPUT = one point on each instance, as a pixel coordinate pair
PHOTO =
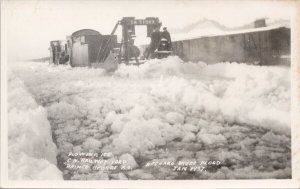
(150, 94)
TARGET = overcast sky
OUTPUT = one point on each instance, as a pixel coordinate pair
(31, 24)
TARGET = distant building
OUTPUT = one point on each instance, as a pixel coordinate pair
(260, 23)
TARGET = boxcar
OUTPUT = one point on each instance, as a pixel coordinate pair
(85, 45)
(264, 46)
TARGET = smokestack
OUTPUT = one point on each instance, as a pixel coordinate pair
(260, 23)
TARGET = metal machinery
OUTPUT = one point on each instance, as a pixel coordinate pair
(59, 52)
(108, 53)
(127, 50)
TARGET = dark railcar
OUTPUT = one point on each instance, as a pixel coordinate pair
(264, 46)
(86, 45)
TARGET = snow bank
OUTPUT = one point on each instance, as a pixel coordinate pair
(31, 151)
(155, 67)
(168, 109)
(246, 94)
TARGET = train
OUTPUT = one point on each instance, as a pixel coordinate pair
(261, 45)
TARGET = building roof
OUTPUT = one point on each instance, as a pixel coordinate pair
(181, 37)
(85, 32)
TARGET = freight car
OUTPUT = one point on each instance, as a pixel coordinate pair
(263, 46)
(85, 45)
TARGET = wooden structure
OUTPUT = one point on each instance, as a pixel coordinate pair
(85, 45)
(263, 45)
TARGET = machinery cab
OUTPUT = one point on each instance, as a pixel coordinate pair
(59, 52)
(159, 48)
(164, 49)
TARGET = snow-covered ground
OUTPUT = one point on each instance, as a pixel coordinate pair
(164, 111)
(31, 151)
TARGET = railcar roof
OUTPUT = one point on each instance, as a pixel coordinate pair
(85, 32)
(225, 33)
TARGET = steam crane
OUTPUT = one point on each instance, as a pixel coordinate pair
(127, 49)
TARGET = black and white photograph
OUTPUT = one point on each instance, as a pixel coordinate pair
(147, 90)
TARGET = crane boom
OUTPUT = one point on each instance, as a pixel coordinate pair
(104, 50)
